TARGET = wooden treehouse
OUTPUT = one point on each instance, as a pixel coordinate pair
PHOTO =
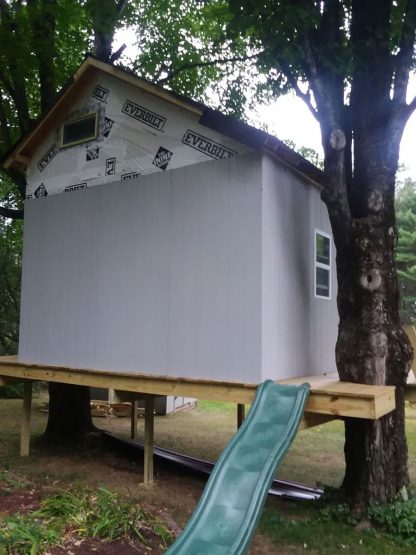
(172, 250)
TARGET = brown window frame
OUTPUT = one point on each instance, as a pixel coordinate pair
(84, 139)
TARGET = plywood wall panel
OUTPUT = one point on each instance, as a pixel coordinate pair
(158, 275)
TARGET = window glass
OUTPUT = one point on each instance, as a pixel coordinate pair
(322, 249)
(80, 131)
(322, 282)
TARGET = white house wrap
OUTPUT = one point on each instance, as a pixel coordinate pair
(138, 134)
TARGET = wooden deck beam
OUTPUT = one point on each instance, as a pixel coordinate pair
(328, 397)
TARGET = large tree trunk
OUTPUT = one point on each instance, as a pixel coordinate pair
(69, 413)
(372, 348)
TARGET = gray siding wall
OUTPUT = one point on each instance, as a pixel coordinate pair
(161, 275)
(298, 330)
(323, 322)
(205, 271)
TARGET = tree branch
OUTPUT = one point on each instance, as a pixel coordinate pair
(121, 4)
(306, 97)
(116, 55)
(405, 55)
(8, 86)
(13, 298)
(4, 6)
(412, 106)
(105, 18)
(11, 213)
(328, 95)
(43, 26)
(17, 89)
(409, 109)
(20, 180)
(219, 61)
(4, 127)
(318, 87)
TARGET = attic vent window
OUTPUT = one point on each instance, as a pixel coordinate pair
(80, 130)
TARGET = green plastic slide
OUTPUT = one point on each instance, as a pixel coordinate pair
(227, 514)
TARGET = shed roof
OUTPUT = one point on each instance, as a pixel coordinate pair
(20, 155)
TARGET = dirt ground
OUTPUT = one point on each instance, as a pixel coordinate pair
(316, 457)
(25, 500)
(166, 500)
(173, 496)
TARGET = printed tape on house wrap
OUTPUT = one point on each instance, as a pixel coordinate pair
(207, 146)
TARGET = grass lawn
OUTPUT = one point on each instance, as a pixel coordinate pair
(286, 527)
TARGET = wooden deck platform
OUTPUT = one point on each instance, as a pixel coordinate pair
(329, 398)
(328, 395)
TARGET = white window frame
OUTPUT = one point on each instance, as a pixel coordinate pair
(317, 264)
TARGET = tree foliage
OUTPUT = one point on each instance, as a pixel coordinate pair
(406, 249)
(10, 270)
(185, 46)
(35, 60)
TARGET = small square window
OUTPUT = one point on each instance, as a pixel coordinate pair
(80, 130)
(322, 265)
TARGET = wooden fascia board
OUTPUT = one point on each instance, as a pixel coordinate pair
(21, 155)
(139, 383)
(314, 176)
(331, 396)
(143, 85)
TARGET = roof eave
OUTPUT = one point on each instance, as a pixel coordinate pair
(17, 158)
(295, 161)
(260, 140)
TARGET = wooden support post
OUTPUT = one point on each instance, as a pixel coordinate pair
(149, 420)
(25, 431)
(241, 414)
(133, 422)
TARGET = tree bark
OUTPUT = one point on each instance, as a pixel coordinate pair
(69, 413)
(372, 348)
(43, 27)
